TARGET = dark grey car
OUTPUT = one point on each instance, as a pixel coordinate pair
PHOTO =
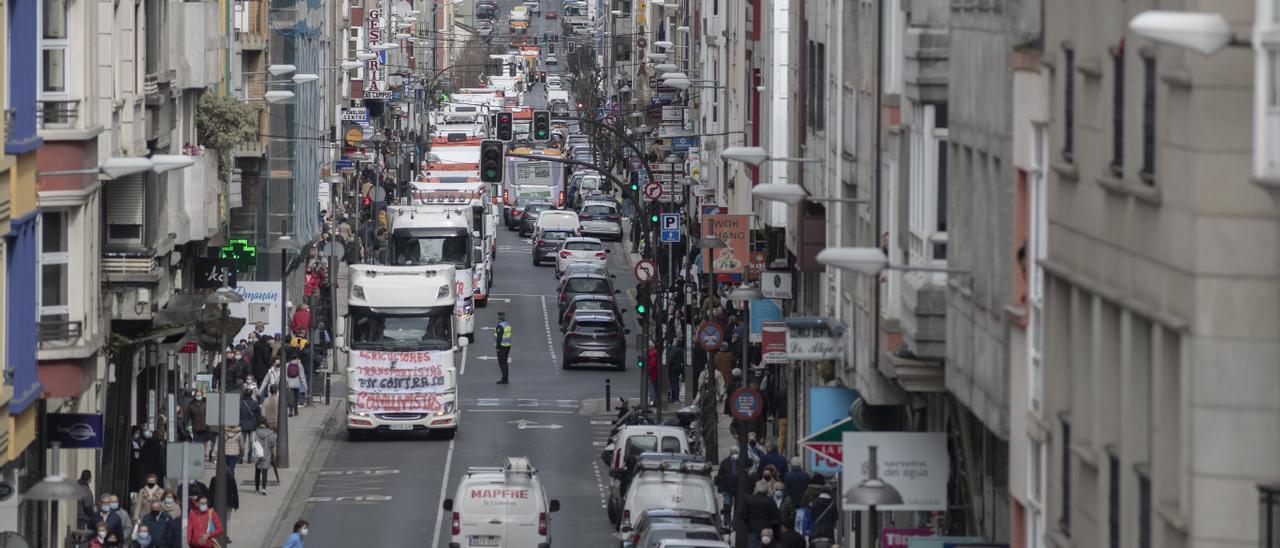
(546, 247)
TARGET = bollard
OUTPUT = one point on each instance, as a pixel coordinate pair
(608, 394)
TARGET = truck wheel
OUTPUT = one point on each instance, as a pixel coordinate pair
(536, 262)
(448, 434)
(612, 510)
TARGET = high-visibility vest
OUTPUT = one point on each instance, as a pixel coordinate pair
(504, 334)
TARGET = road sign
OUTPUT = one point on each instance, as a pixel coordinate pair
(746, 404)
(646, 270)
(652, 191)
(670, 227)
(709, 336)
(355, 114)
(377, 94)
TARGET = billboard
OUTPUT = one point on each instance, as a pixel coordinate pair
(914, 463)
(735, 230)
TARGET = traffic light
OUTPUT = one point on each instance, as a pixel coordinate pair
(653, 218)
(491, 161)
(541, 125)
(635, 187)
(504, 126)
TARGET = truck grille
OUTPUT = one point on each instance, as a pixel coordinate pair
(400, 416)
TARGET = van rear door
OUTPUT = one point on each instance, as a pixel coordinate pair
(497, 514)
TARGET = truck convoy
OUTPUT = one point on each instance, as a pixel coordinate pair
(403, 349)
(434, 235)
(483, 223)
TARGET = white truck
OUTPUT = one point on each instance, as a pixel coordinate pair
(483, 224)
(434, 235)
(402, 350)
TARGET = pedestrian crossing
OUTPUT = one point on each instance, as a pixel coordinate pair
(532, 403)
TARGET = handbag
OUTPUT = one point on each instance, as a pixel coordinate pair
(212, 541)
(257, 448)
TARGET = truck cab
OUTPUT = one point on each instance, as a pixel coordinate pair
(483, 222)
(438, 235)
(402, 349)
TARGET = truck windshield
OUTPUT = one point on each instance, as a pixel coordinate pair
(403, 329)
(414, 248)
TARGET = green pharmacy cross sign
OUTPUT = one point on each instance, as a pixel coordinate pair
(245, 255)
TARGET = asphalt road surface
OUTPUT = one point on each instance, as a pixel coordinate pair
(388, 491)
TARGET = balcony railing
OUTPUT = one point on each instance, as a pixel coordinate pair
(57, 114)
(10, 118)
(121, 264)
(58, 331)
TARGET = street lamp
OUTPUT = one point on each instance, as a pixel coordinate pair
(284, 243)
(870, 261)
(124, 166)
(281, 70)
(873, 492)
(1205, 33)
(384, 46)
(222, 297)
(366, 56)
(161, 163)
(793, 194)
(665, 67)
(304, 78)
(278, 96)
(758, 155)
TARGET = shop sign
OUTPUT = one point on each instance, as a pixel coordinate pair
(813, 340)
(828, 408)
(898, 537)
(774, 342)
(914, 463)
(735, 230)
(775, 285)
(74, 430)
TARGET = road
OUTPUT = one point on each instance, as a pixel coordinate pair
(387, 492)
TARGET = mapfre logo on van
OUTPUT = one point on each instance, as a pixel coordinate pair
(480, 493)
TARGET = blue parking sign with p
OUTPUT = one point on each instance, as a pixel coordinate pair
(670, 225)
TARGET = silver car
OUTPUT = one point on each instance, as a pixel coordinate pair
(600, 219)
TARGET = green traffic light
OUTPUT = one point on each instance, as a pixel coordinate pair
(635, 186)
(640, 309)
(653, 218)
(640, 364)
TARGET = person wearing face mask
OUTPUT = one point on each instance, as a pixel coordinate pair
(104, 538)
(759, 513)
(153, 459)
(203, 525)
(145, 538)
(199, 426)
(161, 527)
(108, 519)
(170, 504)
(786, 506)
(250, 410)
(136, 474)
(126, 521)
(151, 492)
(300, 530)
(766, 537)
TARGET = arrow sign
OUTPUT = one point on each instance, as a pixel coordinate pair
(653, 191)
(524, 424)
(645, 270)
(486, 358)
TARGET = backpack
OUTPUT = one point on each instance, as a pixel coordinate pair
(292, 370)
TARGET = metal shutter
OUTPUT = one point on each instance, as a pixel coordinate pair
(126, 199)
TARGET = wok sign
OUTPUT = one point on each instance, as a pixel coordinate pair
(734, 230)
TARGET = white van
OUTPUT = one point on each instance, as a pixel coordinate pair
(557, 219)
(659, 485)
(501, 506)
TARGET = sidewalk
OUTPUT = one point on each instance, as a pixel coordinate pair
(257, 522)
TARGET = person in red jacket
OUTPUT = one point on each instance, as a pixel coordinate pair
(651, 368)
(203, 525)
(301, 323)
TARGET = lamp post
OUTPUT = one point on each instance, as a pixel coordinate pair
(873, 492)
(284, 243)
(336, 182)
(746, 294)
(222, 297)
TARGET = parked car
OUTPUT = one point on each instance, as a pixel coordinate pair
(656, 516)
(595, 337)
(659, 532)
(587, 304)
(584, 284)
(551, 15)
(601, 219)
(581, 250)
(547, 245)
(688, 487)
(575, 269)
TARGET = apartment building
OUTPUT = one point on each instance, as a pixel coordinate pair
(1162, 283)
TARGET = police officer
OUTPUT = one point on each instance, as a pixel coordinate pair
(503, 334)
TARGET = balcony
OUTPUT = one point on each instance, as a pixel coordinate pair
(57, 114)
(53, 332)
(130, 267)
(251, 25)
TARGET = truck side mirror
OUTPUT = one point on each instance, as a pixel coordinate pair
(555, 505)
(448, 505)
(463, 342)
(341, 342)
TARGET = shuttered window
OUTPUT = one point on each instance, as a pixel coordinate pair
(126, 206)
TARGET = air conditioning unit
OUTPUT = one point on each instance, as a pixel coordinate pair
(133, 303)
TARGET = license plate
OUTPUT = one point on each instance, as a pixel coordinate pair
(483, 541)
(592, 354)
(402, 427)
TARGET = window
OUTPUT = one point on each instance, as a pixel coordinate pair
(820, 89)
(1148, 117)
(54, 73)
(1270, 519)
(1113, 500)
(1037, 247)
(1144, 510)
(1035, 493)
(125, 200)
(355, 40)
(1068, 103)
(849, 122)
(892, 51)
(927, 218)
(54, 264)
(811, 71)
(1117, 109)
(1064, 521)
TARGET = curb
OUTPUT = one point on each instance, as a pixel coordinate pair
(286, 513)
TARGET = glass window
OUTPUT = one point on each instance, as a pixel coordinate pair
(598, 210)
(671, 444)
(583, 246)
(1117, 111)
(54, 24)
(412, 250)
(587, 285)
(594, 327)
(431, 329)
(1148, 118)
(54, 64)
(1068, 100)
(53, 286)
(54, 232)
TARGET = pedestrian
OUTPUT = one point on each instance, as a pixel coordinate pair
(105, 517)
(233, 493)
(293, 379)
(758, 514)
(250, 409)
(170, 504)
(272, 379)
(160, 525)
(675, 366)
(786, 506)
(772, 457)
(199, 426)
(301, 323)
(300, 530)
(766, 537)
(789, 537)
(261, 360)
(126, 521)
(143, 538)
(135, 459)
(262, 453)
(651, 369)
(234, 449)
(153, 454)
(271, 407)
(822, 512)
(503, 340)
(724, 362)
(85, 518)
(150, 493)
(203, 525)
(105, 537)
(727, 483)
(796, 480)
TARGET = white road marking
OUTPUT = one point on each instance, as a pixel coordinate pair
(519, 411)
(444, 489)
(365, 472)
(551, 345)
(525, 424)
(602, 422)
(515, 295)
(357, 498)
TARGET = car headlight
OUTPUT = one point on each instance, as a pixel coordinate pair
(444, 292)
(467, 308)
(357, 291)
(447, 409)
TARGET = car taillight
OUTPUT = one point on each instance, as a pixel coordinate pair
(541, 243)
(564, 254)
(602, 255)
(626, 518)
(457, 524)
(564, 297)
(506, 197)
(542, 523)
(584, 217)
(561, 199)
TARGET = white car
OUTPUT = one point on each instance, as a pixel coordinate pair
(686, 487)
(551, 60)
(554, 82)
(501, 506)
(581, 250)
(533, 5)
